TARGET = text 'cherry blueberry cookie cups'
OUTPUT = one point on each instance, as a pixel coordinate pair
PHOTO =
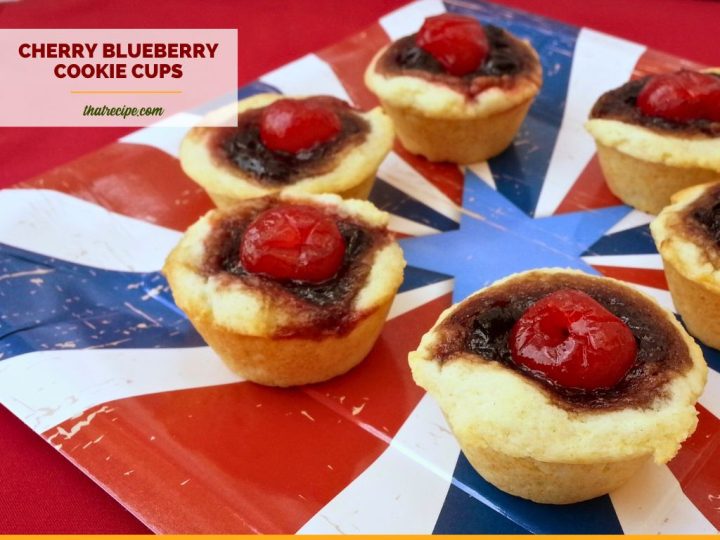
(658, 135)
(316, 144)
(559, 385)
(457, 90)
(288, 289)
(687, 235)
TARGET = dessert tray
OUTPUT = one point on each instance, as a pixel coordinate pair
(96, 358)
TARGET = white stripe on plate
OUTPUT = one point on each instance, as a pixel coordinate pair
(404, 490)
(45, 388)
(308, 75)
(482, 170)
(652, 502)
(396, 172)
(61, 226)
(636, 218)
(600, 62)
(402, 225)
(166, 135)
(650, 262)
(409, 300)
(408, 20)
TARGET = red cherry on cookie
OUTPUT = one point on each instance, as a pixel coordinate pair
(293, 242)
(293, 125)
(682, 96)
(458, 43)
(572, 340)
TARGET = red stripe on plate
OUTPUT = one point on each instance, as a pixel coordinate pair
(641, 276)
(135, 180)
(349, 58)
(696, 466)
(445, 176)
(589, 191)
(244, 458)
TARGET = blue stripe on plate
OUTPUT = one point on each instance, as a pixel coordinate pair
(417, 277)
(473, 506)
(635, 241)
(520, 171)
(50, 304)
(391, 199)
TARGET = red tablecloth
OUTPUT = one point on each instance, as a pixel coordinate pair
(41, 492)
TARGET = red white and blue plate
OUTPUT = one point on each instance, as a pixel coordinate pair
(96, 357)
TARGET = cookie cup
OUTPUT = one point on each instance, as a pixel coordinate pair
(520, 440)
(442, 124)
(693, 279)
(351, 175)
(644, 168)
(256, 333)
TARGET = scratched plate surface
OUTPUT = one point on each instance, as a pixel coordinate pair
(95, 356)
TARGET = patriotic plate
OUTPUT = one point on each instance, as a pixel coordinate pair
(95, 356)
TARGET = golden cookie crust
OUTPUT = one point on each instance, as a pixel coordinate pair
(644, 167)
(648, 145)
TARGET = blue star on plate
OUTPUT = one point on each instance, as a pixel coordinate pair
(496, 239)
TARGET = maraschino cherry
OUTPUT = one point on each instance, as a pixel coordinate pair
(294, 125)
(457, 42)
(570, 339)
(681, 96)
(293, 242)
